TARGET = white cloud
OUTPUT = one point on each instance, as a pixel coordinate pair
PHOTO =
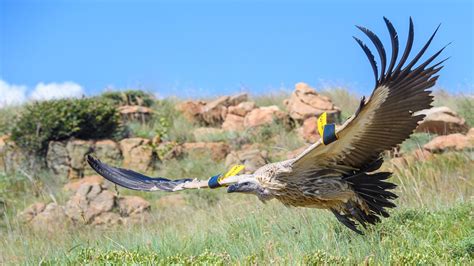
(11, 94)
(56, 91)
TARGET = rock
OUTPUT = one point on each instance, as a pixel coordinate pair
(57, 158)
(50, 219)
(135, 112)
(442, 121)
(262, 116)
(251, 158)
(456, 142)
(31, 212)
(206, 133)
(137, 154)
(12, 157)
(89, 201)
(233, 123)
(238, 99)
(171, 201)
(132, 205)
(217, 150)
(107, 219)
(168, 150)
(310, 130)
(305, 102)
(418, 155)
(91, 180)
(242, 109)
(214, 112)
(108, 151)
(192, 110)
(77, 150)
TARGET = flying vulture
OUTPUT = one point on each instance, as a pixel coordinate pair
(338, 173)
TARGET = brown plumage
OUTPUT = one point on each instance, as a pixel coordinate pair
(339, 176)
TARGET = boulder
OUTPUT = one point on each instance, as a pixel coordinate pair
(133, 205)
(455, 141)
(242, 109)
(50, 219)
(77, 150)
(90, 201)
(442, 121)
(12, 157)
(238, 98)
(137, 154)
(305, 102)
(108, 151)
(30, 212)
(251, 157)
(168, 150)
(192, 110)
(262, 116)
(309, 130)
(233, 123)
(57, 158)
(73, 186)
(107, 219)
(217, 150)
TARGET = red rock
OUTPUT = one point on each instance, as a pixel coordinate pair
(137, 154)
(217, 150)
(262, 116)
(442, 121)
(305, 102)
(233, 123)
(310, 130)
(130, 205)
(450, 142)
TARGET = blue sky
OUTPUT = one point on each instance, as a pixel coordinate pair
(204, 48)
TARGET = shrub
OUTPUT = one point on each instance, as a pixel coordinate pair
(129, 97)
(42, 122)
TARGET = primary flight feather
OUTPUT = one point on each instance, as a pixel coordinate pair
(340, 176)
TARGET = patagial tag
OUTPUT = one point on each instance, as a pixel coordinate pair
(233, 171)
(322, 121)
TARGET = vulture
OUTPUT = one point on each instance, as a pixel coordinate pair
(340, 172)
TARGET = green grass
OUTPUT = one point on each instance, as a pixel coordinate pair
(432, 225)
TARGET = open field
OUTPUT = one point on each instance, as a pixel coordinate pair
(433, 223)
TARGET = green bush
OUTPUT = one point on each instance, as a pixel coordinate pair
(129, 97)
(42, 122)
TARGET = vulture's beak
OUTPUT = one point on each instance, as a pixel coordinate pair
(233, 188)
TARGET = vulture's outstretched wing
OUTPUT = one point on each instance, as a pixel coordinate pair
(136, 181)
(388, 117)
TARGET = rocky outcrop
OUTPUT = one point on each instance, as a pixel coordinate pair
(233, 123)
(442, 121)
(242, 109)
(212, 113)
(309, 130)
(11, 156)
(77, 150)
(251, 157)
(137, 154)
(455, 142)
(217, 150)
(305, 102)
(263, 115)
(57, 158)
(108, 151)
(91, 204)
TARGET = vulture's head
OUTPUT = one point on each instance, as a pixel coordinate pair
(250, 185)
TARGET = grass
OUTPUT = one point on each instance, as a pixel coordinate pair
(433, 225)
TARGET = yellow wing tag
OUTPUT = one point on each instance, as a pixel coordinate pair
(232, 172)
(322, 121)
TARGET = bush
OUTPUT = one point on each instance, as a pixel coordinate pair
(42, 122)
(129, 97)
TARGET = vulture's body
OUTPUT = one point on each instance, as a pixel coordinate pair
(340, 176)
